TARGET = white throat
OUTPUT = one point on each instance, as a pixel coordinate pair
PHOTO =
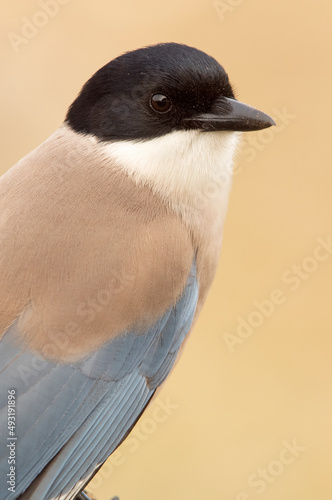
(184, 167)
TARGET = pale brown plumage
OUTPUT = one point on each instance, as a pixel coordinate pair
(110, 234)
(61, 243)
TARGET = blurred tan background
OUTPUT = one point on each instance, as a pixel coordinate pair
(247, 413)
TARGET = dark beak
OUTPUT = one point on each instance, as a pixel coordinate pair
(229, 114)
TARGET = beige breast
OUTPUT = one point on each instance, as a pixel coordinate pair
(91, 247)
(84, 253)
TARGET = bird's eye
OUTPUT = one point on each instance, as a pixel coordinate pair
(160, 103)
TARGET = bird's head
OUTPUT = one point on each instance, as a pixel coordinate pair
(167, 116)
(156, 90)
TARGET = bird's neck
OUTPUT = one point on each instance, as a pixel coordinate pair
(192, 172)
(188, 169)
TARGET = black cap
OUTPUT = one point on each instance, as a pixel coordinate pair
(155, 90)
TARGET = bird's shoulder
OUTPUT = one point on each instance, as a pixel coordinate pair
(84, 247)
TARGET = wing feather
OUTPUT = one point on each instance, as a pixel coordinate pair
(71, 417)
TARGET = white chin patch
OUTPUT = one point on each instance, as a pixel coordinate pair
(179, 166)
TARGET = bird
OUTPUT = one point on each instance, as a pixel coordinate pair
(110, 236)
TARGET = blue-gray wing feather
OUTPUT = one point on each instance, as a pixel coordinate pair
(71, 417)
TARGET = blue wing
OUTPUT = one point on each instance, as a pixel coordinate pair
(70, 418)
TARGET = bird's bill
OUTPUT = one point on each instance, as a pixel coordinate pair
(230, 114)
